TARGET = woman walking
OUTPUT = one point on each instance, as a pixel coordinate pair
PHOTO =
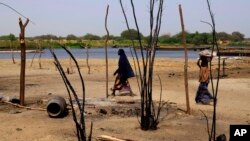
(203, 96)
(123, 72)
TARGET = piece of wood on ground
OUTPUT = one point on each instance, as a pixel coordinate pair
(110, 138)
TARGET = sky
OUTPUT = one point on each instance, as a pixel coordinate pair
(79, 17)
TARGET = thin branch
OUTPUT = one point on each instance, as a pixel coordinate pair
(78, 127)
(66, 79)
(215, 93)
(87, 59)
(133, 45)
(12, 52)
(143, 78)
(160, 102)
(138, 32)
(83, 89)
(40, 55)
(90, 134)
(152, 56)
(68, 87)
(209, 136)
(186, 60)
(106, 50)
(33, 57)
(16, 11)
(207, 23)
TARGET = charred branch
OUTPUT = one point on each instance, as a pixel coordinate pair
(133, 46)
(106, 50)
(149, 117)
(79, 123)
(212, 135)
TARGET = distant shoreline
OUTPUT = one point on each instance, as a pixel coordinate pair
(18, 51)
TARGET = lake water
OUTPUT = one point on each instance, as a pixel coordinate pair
(100, 53)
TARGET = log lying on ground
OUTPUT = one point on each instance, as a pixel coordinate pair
(25, 107)
(110, 138)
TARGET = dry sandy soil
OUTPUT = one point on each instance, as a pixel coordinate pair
(120, 121)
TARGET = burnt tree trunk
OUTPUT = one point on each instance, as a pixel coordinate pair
(106, 50)
(23, 58)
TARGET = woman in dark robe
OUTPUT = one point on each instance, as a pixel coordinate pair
(123, 72)
(203, 96)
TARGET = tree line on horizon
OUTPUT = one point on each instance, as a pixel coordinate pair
(196, 38)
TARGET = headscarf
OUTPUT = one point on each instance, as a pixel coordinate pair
(125, 68)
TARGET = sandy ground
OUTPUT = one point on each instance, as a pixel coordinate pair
(121, 121)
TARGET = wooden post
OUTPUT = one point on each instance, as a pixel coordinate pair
(23, 59)
(40, 54)
(223, 65)
(12, 52)
(106, 50)
(87, 58)
(70, 68)
(34, 55)
(186, 60)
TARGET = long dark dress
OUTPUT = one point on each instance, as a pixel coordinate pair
(203, 95)
(124, 71)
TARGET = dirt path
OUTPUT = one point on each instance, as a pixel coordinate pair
(120, 120)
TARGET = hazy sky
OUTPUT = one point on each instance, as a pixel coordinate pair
(78, 17)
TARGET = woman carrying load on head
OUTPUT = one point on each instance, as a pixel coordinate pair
(203, 96)
(123, 72)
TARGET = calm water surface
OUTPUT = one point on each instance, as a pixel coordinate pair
(100, 53)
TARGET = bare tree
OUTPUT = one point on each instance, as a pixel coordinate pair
(133, 47)
(149, 118)
(215, 47)
(79, 122)
(12, 53)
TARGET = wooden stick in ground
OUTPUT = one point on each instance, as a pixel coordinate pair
(23, 59)
(186, 60)
(40, 55)
(70, 64)
(25, 107)
(106, 50)
(87, 59)
(34, 56)
(38, 50)
(12, 52)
